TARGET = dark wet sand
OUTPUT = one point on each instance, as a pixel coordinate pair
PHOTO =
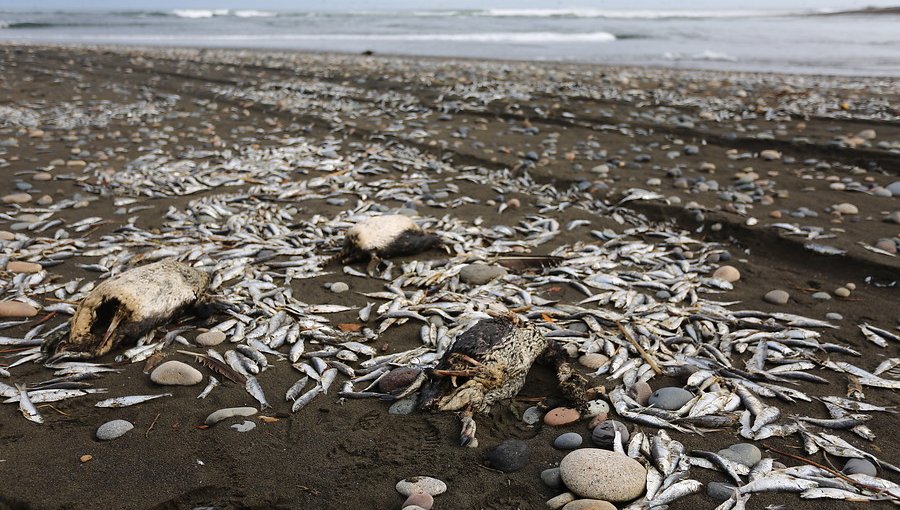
(350, 455)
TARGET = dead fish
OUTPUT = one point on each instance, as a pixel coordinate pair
(129, 400)
(27, 408)
(213, 382)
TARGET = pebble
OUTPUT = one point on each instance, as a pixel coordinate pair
(845, 208)
(86, 458)
(640, 391)
(604, 434)
(551, 478)
(593, 360)
(229, 412)
(777, 297)
(23, 267)
(770, 155)
(602, 474)
(176, 373)
(596, 407)
(833, 316)
(568, 441)
(720, 491)
(886, 245)
(421, 484)
(338, 287)
(589, 504)
(894, 188)
(45, 200)
(859, 466)
(16, 309)
(419, 499)
(246, 426)
(398, 378)
(403, 406)
(560, 416)
(6, 235)
(560, 501)
(210, 338)
(821, 296)
(113, 429)
(42, 176)
(728, 273)
(532, 415)
(742, 453)
(670, 398)
(842, 292)
(851, 286)
(16, 198)
(509, 456)
(479, 274)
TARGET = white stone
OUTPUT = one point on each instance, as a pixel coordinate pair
(425, 484)
(602, 474)
(113, 429)
(176, 373)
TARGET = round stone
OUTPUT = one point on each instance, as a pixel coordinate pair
(560, 501)
(593, 360)
(403, 406)
(23, 267)
(886, 245)
(419, 499)
(640, 391)
(589, 504)
(398, 379)
(551, 478)
(867, 134)
(16, 198)
(596, 407)
(845, 208)
(6, 235)
(604, 434)
(229, 412)
(842, 292)
(834, 316)
(45, 200)
(560, 416)
(16, 309)
(602, 474)
(113, 429)
(720, 491)
(479, 274)
(568, 441)
(777, 297)
(770, 155)
(670, 398)
(210, 338)
(532, 415)
(859, 466)
(742, 453)
(851, 286)
(894, 188)
(728, 273)
(176, 373)
(42, 176)
(509, 456)
(421, 485)
(338, 287)
(821, 296)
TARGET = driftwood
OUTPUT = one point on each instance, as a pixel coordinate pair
(131, 304)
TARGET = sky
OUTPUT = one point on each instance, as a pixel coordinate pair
(331, 5)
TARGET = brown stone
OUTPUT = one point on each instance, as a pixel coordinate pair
(420, 499)
(589, 504)
(42, 176)
(560, 416)
(23, 267)
(16, 198)
(640, 391)
(16, 309)
(6, 235)
(593, 360)
(86, 458)
(728, 273)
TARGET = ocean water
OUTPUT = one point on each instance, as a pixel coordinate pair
(798, 40)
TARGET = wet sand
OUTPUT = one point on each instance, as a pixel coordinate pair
(550, 120)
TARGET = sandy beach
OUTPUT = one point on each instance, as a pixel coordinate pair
(797, 178)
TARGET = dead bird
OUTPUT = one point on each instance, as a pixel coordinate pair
(386, 236)
(129, 305)
(494, 356)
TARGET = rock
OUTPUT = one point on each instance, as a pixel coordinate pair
(894, 188)
(850, 286)
(600, 169)
(176, 373)
(670, 398)
(42, 176)
(568, 441)
(867, 134)
(593, 360)
(604, 434)
(398, 379)
(821, 296)
(532, 415)
(479, 274)
(720, 491)
(728, 273)
(6, 235)
(691, 150)
(86, 458)
(16, 309)
(640, 391)
(23, 267)
(246, 426)
(842, 292)
(589, 504)
(210, 338)
(113, 429)
(16, 198)
(777, 297)
(770, 155)
(742, 453)
(561, 416)
(886, 245)
(404, 406)
(845, 208)
(230, 412)
(419, 499)
(45, 200)
(338, 287)
(859, 466)
(551, 478)
(832, 316)
(596, 407)
(560, 501)
(601, 474)
(509, 456)
(421, 484)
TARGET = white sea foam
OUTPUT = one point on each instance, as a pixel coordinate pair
(251, 13)
(199, 13)
(630, 14)
(706, 55)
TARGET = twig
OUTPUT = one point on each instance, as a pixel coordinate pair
(147, 434)
(644, 354)
(54, 408)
